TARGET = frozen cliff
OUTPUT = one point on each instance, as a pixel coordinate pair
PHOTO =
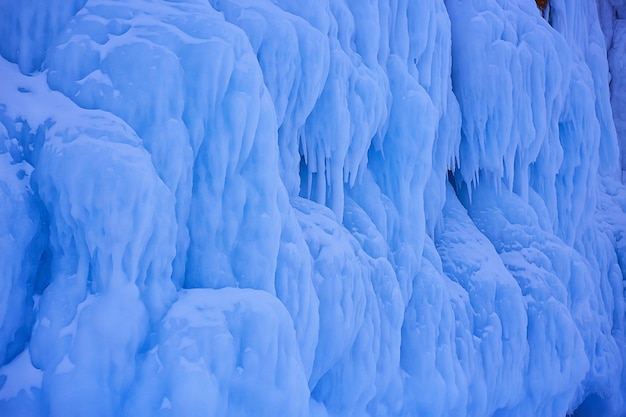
(312, 208)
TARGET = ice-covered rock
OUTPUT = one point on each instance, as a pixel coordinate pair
(331, 208)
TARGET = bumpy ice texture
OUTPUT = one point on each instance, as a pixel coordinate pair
(319, 208)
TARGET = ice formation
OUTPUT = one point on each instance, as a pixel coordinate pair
(312, 208)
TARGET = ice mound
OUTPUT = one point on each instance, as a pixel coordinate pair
(214, 349)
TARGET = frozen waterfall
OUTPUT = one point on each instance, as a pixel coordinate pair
(323, 208)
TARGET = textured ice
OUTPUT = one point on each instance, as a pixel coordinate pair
(612, 14)
(329, 208)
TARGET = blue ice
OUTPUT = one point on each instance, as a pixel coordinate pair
(312, 208)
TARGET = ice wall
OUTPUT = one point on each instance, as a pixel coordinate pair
(611, 14)
(330, 208)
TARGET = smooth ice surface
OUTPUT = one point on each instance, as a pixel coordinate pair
(312, 208)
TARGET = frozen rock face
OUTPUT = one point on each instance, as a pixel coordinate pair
(329, 208)
(612, 15)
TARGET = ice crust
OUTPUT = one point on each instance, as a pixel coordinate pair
(329, 208)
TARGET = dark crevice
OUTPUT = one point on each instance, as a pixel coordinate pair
(592, 406)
